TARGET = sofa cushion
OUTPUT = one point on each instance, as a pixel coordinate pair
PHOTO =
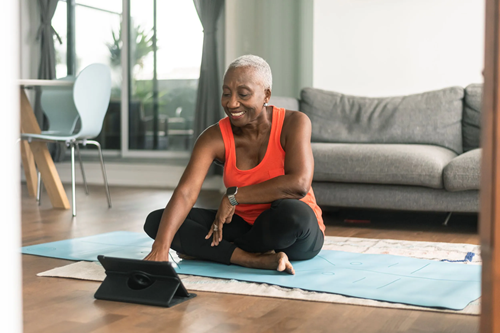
(471, 122)
(463, 172)
(433, 118)
(419, 165)
(394, 197)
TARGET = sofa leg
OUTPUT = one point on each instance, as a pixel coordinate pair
(447, 219)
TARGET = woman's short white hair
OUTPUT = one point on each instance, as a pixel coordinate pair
(261, 67)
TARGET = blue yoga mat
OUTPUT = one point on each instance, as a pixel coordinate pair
(124, 244)
(374, 276)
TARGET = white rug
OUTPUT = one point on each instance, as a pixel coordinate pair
(424, 250)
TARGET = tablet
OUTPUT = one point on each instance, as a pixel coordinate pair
(141, 281)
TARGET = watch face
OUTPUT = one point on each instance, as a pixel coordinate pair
(231, 190)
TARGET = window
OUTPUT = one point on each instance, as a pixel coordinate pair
(162, 73)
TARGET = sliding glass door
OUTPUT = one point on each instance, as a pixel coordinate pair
(166, 40)
(93, 25)
(153, 48)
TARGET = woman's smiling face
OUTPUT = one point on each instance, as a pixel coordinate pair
(243, 95)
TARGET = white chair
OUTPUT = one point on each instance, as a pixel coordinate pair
(87, 101)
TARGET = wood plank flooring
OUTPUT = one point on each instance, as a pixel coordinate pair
(64, 305)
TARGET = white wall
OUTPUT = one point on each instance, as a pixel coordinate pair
(392, 47)
(280, 31)
(10, 237)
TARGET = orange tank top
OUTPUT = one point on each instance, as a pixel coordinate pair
(271, 166)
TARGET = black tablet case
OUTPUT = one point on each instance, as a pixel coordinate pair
(140, 281)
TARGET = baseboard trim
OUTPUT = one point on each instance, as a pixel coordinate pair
(131, 174)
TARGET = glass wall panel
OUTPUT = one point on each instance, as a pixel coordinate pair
(166, 41)
(163, 73)
(97, 30)
(97, 40)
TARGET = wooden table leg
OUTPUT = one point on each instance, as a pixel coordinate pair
(29, 168)
(42, 157)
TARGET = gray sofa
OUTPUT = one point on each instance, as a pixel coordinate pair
(418, 152)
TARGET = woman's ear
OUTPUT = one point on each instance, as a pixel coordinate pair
(267, 92)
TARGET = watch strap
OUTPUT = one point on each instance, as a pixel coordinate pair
(232, 200)
(231, 195)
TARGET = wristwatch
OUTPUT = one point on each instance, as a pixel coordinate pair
(231, 192)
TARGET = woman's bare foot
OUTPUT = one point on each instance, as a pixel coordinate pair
(278, 261)
(284, 264)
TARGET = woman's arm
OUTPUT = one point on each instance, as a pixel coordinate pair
(207, 148)
(299, 166)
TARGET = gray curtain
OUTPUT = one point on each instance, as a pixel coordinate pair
(208, 108)
(47, 67)
(46, 32)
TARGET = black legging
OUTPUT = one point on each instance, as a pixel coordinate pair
(289, 226)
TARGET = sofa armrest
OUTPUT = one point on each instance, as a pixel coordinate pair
(288, 103)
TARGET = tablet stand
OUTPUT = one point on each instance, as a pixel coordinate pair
(137, 286)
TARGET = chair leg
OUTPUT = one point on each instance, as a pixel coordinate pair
(95, 143)
(448, 216)
(73, 189)
(81, 168)
(39, 188)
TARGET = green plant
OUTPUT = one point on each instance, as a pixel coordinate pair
(144, 92)
(142, 47)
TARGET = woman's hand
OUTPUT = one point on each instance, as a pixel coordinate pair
(158, 253)
(224, 215)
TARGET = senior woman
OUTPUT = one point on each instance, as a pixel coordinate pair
(269, 214)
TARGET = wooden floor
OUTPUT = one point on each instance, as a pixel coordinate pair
(64, 305)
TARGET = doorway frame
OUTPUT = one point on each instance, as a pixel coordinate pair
(489, 215)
